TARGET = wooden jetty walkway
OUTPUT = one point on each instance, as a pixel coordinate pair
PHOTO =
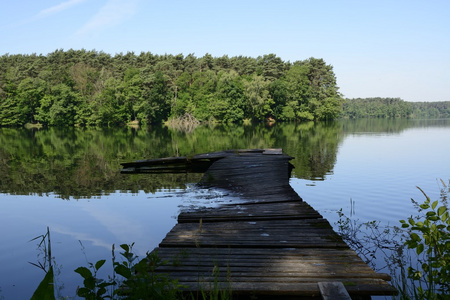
(270, 245)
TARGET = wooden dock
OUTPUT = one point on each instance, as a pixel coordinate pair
(270, 245)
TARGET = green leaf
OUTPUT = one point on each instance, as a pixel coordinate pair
(424, 206)
(45, 290)
(419, 249)
(106, 284)
(414, 237)
(123, 271)
(411, 244)
(125, 247)
(101, 291)
(83, 292)
(99, 264)
(89, 283)
(434, 204)
(84, 272)
(441, 210)
(445, 217)
(431, 213)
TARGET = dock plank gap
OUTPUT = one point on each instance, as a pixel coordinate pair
(268, 245)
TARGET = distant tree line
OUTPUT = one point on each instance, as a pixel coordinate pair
(90, 88)
(393, 108)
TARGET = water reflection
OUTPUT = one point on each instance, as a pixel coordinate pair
(80, 163)
(374, 163)
(83, 163)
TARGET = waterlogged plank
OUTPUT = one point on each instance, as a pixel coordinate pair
(259, 211)
(252, 175)
(204, 157)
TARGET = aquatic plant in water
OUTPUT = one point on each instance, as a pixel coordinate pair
(45, 290)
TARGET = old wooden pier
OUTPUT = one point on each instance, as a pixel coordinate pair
(271, 244)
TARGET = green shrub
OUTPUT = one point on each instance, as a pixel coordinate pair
(429, 235)
(417, 255)
(138, 279)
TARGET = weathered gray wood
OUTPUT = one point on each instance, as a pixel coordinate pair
(333, 291)
(252, 175)
(270, 244)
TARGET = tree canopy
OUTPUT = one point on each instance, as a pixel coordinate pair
(90, 88)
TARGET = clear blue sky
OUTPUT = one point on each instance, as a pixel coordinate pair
(379, 48)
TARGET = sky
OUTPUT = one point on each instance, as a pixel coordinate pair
(378, 48)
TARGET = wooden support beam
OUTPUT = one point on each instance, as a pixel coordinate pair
(333, 291)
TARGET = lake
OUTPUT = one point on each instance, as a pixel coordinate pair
(69, 180)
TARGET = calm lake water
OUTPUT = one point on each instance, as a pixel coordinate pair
(68, 180)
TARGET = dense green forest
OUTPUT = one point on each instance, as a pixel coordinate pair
(394, 108)
(90, 88)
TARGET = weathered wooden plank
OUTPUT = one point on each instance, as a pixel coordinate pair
(297, 270)
(224, 276)
(236, 233)
(248, 262)
(240, 261)
(286, 225)
(261, 251)
(266, 235)
(259, 254)
(283, 289)
(262, 211)
(195, 218)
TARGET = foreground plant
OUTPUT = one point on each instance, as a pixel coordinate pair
(429, 235)
(417, 255)
(138, 278)
(141, 280)
(45, 290)
(132, 278)
(94, 287)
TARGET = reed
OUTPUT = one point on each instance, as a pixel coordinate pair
(46, 288)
